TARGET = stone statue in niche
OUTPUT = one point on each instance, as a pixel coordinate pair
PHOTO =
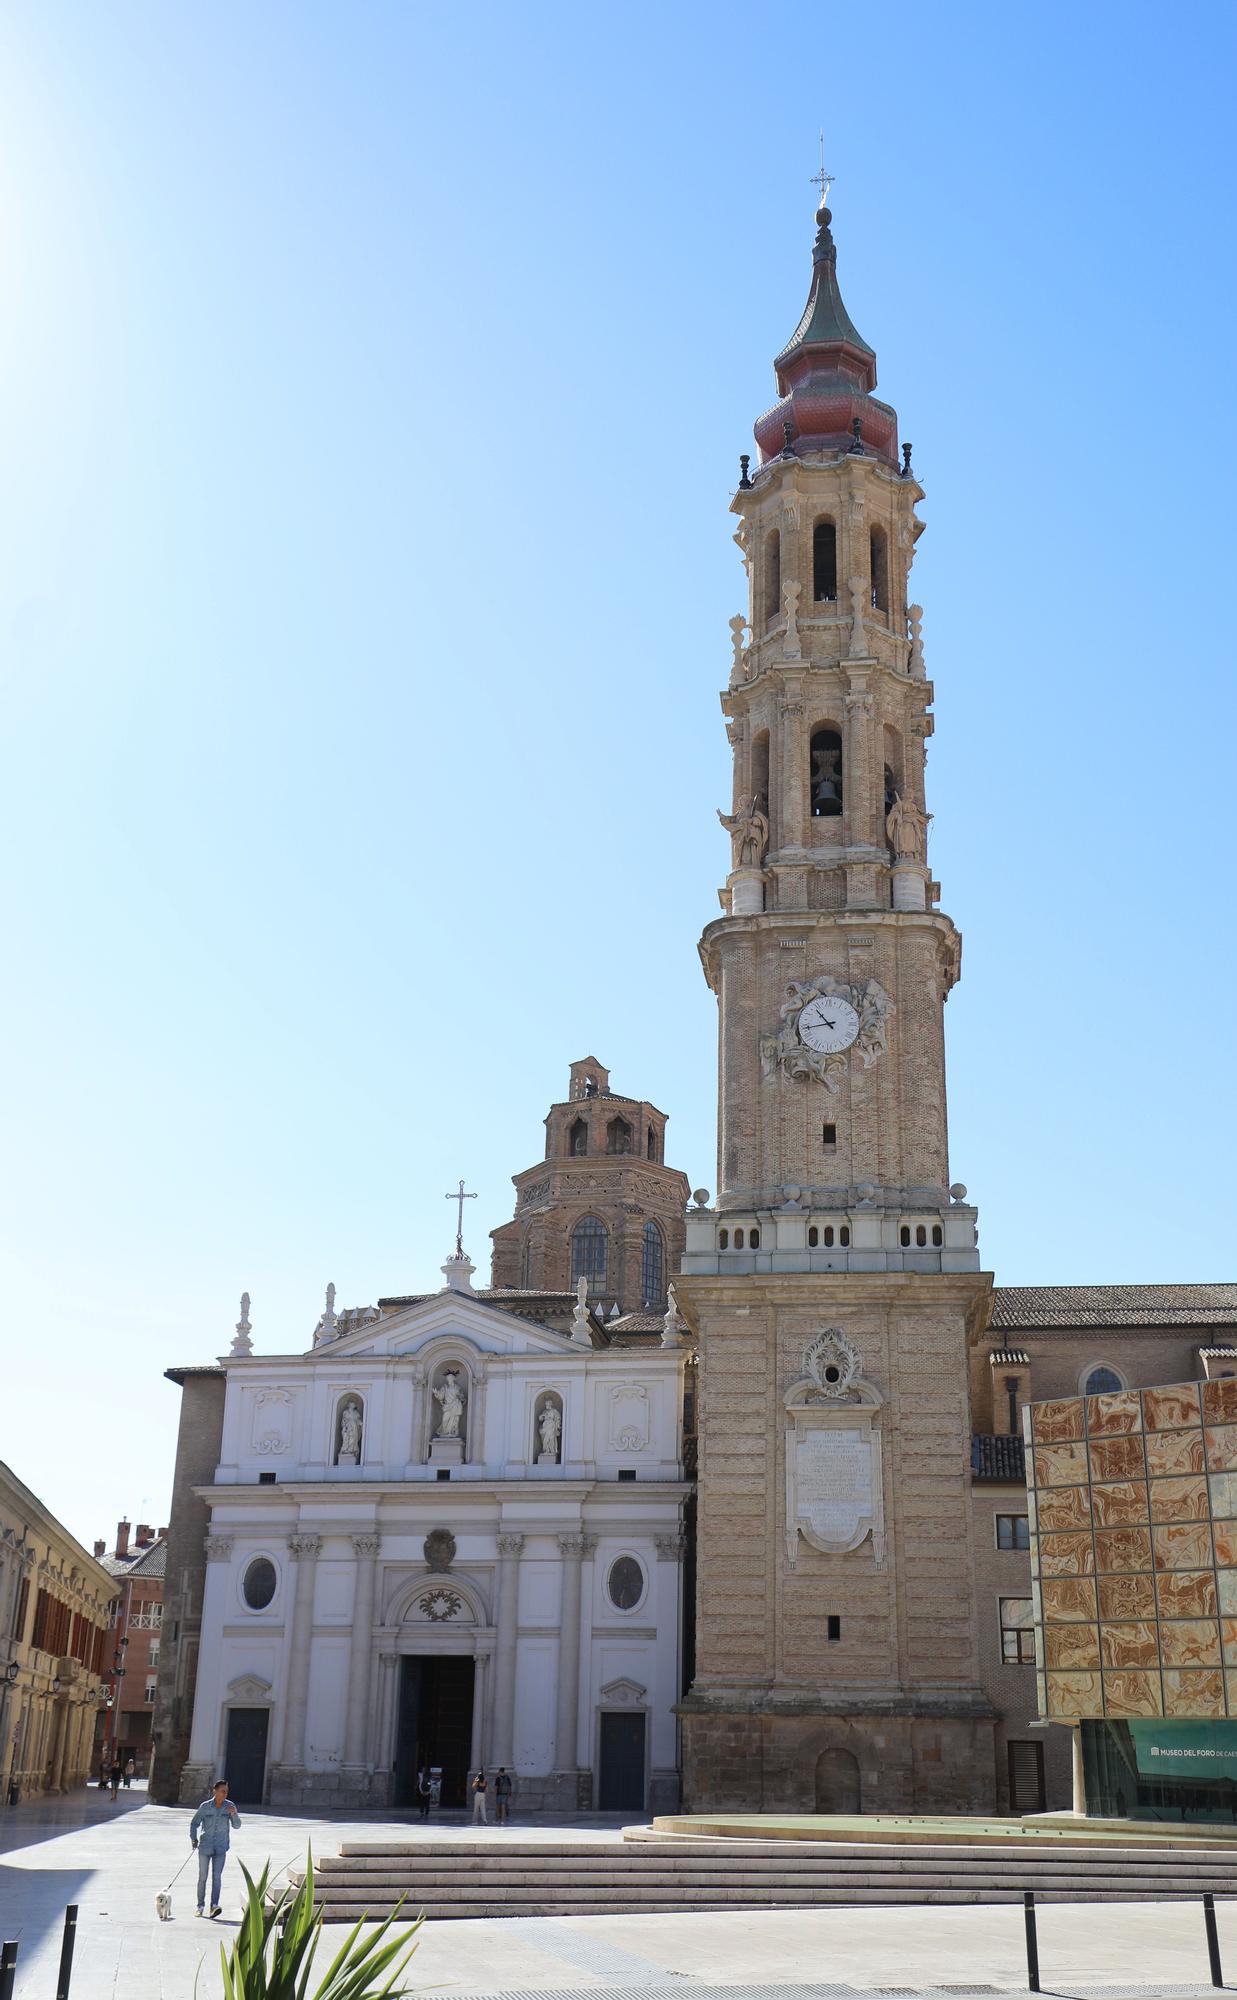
(550, 1430)
(907, 827)
(858, 641)
(749, 834)
(450, 1398)
(350, 1424)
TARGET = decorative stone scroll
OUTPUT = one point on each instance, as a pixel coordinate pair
(834, 1490)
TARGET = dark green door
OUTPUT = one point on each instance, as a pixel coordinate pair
(245, 1760)
(622, 1763)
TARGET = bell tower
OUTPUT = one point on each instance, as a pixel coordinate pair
(836, 1283)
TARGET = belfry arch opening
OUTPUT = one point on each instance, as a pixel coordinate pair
(577, 1138)
(618, 1136)
(773, 576)
(760, 769)
(825, 562)
(878, 544)
(826, 773)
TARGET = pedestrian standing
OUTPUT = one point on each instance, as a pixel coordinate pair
(502, 1794)
(130, 1768)
(425, 1792)
(480, 1786)
(210, 1832)
(114, 1777)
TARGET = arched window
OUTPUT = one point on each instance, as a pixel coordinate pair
(652, 1267)
(825, 563)
(590, 1243)
(813, 1237)
(753, 1239)
(904, 1237)
(826, 750)
(828, 1236)
(879, 548)
(651, 1147)
(723, 1239)
(938, 1236)
(618, 1136)
(577, 1139)
(1102, 1382)
(738, 1239)
(844, 1237)
(773, 577)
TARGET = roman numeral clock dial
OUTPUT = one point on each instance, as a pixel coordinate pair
(827, 1026)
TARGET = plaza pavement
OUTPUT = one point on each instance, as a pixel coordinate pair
(111, 1860)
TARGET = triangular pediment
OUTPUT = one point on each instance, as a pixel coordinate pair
(486, 1327)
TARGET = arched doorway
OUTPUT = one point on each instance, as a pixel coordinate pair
(837, 1782)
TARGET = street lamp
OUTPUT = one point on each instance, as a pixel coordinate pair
(11, 1672)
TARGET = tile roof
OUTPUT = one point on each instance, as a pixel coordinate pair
(1114, 1305)
(153, 1561)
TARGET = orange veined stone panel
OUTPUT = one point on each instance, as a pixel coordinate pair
(1222, 1448)
(1133, 1692)
(1172, 1452)
(1062, 1507)
(1075, 1694)
(1117, 1458)
(1126, 1597)
(1060, 1464)
(1071, 1646)
(1066, 1555)
(1122, 1548)
(1130, 1645)
(1220, 1401)
(1186, 1547)
(1180, 1499)
(1170, 1409)
(1190, 1642)
(1069, 1597)
(1120, 1506)
(1050, 1421)
(1191, 1692)
(1186, 1593)
(1107, 1415)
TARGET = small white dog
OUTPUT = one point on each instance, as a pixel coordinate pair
(163, 1904)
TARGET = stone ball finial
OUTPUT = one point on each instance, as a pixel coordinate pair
(701, 1197)
(957, 1192)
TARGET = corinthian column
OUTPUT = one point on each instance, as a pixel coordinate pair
(366, 1548)
(509, 1547)
(573, 1549)
(303, 1550)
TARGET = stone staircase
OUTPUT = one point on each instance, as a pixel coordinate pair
(643, 1873)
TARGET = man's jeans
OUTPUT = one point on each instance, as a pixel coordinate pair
(215, 1863)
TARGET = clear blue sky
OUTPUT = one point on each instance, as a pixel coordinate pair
(372, 380)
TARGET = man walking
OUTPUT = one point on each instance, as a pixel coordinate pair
(425, 1792)
(480, 1787)
(114, 1777)
(210, 1832)
(130, 1772)
(502, 1794)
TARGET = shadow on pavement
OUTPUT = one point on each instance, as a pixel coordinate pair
(33, 1903)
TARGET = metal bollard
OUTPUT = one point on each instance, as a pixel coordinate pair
(1028, 1918)
(66, 1953)
(1213, 1941)
(8, 1968)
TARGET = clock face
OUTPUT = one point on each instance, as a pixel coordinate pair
(828, 1026)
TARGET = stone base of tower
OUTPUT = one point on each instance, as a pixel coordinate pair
(814, 1760)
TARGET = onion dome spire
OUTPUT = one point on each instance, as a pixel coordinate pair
(826, 374)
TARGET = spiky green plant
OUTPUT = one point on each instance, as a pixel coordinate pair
(272, 1958)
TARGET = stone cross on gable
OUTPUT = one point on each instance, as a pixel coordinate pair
(461, 1197)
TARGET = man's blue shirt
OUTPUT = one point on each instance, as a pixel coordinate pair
(212, 1824)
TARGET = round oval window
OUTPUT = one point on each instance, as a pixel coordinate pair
(625, 1583)
(259, 1585)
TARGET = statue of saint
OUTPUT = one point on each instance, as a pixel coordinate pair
(749, 834)
(907, 827)
(550, 1425)
(350, 1431)
(452, 1401)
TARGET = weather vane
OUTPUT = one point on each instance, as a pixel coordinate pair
(461, 1198)
(824, 181)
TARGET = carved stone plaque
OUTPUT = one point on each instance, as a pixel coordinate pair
(834, 1482)
(834, 1490)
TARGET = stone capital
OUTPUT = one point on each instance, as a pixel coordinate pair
(510, 1545)
(576, 1547)
(670, 1548)
(304, 1547)
(218, 1548)
(367, 1546)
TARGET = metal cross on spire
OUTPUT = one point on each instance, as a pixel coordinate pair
(460, 1197)
(823, 180)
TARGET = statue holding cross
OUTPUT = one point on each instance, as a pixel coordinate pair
(460, 1197)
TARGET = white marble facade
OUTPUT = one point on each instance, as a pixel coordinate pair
(550, 1592)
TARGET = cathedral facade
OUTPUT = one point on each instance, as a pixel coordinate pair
(775, 1550)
